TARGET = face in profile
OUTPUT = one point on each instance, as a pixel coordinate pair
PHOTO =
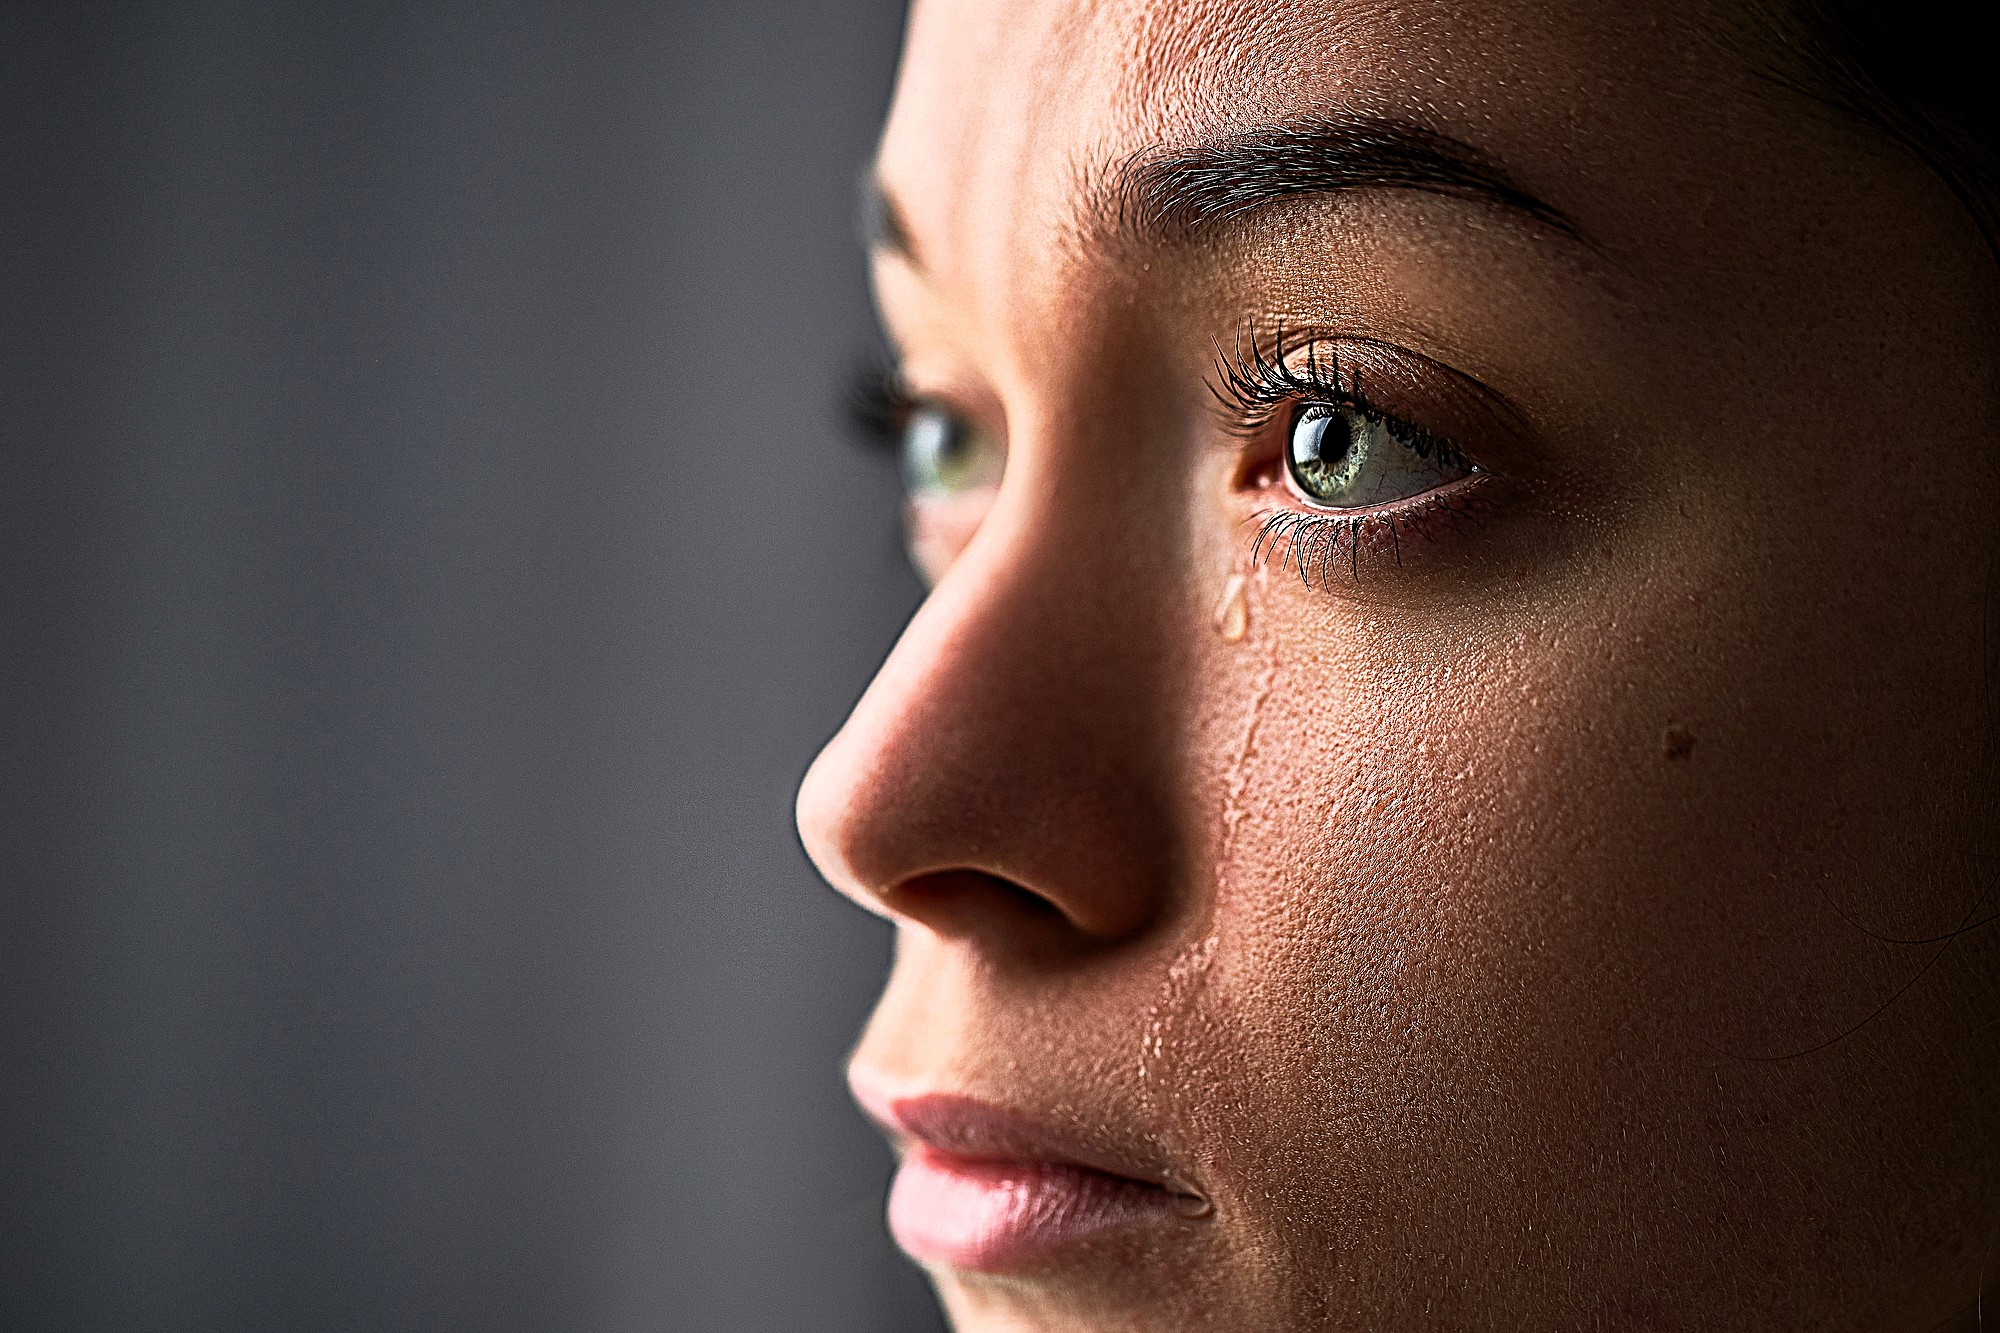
(1445, 776)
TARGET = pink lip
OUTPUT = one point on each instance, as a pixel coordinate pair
(985, 1190)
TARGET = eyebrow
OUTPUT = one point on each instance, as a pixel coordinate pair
(1159, 196)
(881, 222)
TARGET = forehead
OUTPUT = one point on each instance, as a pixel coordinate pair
(1125, 66)
(1006, 110)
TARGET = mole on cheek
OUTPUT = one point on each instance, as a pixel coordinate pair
(1680, 744)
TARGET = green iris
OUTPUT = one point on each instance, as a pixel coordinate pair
(944, 456)
(1324, 451)
(1341, 456)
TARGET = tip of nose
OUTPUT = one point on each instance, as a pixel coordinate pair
(976, 761)
(824, 814)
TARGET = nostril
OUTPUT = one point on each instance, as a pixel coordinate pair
(985, 783)
(971, 902)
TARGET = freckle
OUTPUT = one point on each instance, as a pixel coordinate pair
(1680, 744)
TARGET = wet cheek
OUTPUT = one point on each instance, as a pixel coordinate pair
(1334, 971)
(1490, 913)
(1402, 977)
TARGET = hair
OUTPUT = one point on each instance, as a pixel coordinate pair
(1916, 71)
(1919, 73)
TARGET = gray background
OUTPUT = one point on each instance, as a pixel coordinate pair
(431, 558)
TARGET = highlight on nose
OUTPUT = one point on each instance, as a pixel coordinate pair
(942, 839)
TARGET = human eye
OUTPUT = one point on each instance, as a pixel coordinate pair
(951, 465)
(1338, 466)
(1343, 457)
(942, 453)
(946, 457)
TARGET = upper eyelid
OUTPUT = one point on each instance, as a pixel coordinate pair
(949, 387)
(1251, 385)
(927, 354)
(1394, 381)
(1250, 366)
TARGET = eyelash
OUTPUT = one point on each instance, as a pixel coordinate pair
(1256, 387)
(877, 407)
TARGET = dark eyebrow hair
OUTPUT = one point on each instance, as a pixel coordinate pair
(1160, 195)
(881, 222)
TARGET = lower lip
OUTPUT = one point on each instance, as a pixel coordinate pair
(995, 1216)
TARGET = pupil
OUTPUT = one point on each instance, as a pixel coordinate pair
(1322, 438)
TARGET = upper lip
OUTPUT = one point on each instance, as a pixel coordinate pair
(975, 1130)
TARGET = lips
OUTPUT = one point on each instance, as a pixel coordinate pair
(987, 1190)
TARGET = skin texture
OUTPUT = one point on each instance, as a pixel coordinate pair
(1510, 930)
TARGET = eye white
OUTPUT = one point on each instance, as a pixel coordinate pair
(1340, 457)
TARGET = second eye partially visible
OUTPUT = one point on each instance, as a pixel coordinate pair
(943, 455)
(951, 466)
(940, 451)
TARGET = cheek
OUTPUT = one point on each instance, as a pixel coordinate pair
(1508, 926)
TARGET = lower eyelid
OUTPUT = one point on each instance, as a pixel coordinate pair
(939, 527)
(1320, 545)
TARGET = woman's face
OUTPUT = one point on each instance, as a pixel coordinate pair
(1526, 889)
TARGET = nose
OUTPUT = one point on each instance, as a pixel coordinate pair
(1006, 769)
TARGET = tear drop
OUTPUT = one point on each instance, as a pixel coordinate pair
(1232, 613)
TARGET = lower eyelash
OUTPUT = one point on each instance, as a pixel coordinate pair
(1306, 541)
(1313, 543)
